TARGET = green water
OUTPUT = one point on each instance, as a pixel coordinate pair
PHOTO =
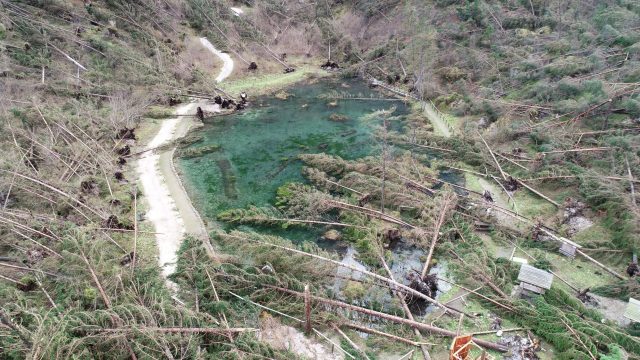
(259, 146)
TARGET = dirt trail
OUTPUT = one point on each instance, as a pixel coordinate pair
(227, 67)
(170, 209)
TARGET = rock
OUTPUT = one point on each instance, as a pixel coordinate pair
(282, 95)
(332, 235)
(338, 117)
(267, 269)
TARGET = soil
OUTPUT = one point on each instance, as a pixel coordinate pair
(285, 337)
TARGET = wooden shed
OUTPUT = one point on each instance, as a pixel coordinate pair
(633, 310)
(534, 280)
(568, 248)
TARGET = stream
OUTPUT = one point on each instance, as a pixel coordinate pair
(256, 152)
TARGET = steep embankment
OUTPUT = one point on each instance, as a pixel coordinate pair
(170, 209)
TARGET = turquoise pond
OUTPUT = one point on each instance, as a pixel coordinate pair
(260, 145)
(258, 153)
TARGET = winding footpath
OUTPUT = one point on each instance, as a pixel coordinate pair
(169, 207)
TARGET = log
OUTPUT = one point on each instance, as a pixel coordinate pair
(494, 157)
(27, 269)
(434, 148)
(105, 298)
(13, 281)
(344, 336)
(575, 176)
(495, 331)
(215, 295)
(68, 57)
(506, 307)
(578, 150)
(612, 272)
(333, 343)
(371, 212)
(179, 330)
(537, 192)
(380, 333)
(266, 308)
(392, 318)
(37, 243)
(436, 231)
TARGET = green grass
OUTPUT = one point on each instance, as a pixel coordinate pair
(531, 205)
(264, 84)
(595, 234)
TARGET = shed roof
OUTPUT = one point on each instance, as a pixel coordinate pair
(535, 276)
(633, 310)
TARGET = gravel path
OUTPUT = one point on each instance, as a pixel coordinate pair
(170, 209)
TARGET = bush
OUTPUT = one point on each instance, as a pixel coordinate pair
(558, 47)
(569, 66)
(632, 106)
(451, 73)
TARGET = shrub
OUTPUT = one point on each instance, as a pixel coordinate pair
(569, 66)
(472, 11)
(558, 47)
(632, 106)
(451, 73)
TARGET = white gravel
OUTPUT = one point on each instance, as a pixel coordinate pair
(162, 212)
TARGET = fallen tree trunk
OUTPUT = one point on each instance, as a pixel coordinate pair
(371, 331)
(506, 307)
(446, 205)
(375, 213)
(393, 318)
(218, 331)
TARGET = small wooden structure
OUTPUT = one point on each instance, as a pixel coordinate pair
(633, 310)
(463, 348)
(567, 249)
(534, 280)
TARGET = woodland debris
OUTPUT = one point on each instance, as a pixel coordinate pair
(393, 318)
(390, 283)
